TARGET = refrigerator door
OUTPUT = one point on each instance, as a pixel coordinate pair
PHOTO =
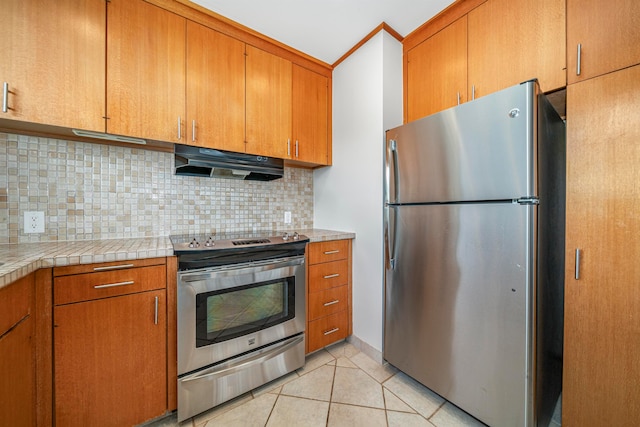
(457, 304)
(481, 150)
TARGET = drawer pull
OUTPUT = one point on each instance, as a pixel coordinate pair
(335, 301)
(331, 252)
(331, 276)
(330, 331)
(113, 267)
(111, 285)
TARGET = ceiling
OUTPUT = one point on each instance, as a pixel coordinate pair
(325, 29)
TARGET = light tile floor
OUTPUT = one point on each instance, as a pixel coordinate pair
(338, 386)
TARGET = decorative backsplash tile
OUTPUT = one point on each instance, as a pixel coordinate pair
(97, 191)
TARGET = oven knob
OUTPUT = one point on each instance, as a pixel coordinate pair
(296, 236)
(209, 242)
(285, 236)
(194, 243)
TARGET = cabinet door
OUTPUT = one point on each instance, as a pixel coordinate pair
(215, 89)
(17, 380)
(268, 115)
(310, 116)
(609, 33)
(602, 327)
(515, 41)
(145, 71)
(437, 71)
(54, 62)
(110, 360)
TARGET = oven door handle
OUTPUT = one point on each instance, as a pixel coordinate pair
(235, 366)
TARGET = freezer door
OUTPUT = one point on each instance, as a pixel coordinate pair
(457, 304)
(480, 150)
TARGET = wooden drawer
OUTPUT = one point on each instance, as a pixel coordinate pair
(107, 266)
(327, 302)
(333, 250)
(90, 286)
(15, 302)
(328, 275)
(327, 330)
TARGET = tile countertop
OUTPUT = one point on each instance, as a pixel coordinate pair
(18, 260)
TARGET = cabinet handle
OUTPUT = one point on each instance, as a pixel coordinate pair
(329, 332)
(473, 92)
(579, 59)
(458, 98)
(112, 267)
(296, 148)
(112, 285)
(332, 252)
(179, 128)
(577, 274)
(331, 276)
(335, 301)
(5, 96)
(155, 318)
(193, 131)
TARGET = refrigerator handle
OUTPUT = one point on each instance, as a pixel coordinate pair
(391, 168)
(389, 237)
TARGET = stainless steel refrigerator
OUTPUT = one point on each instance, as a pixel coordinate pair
(474, 254)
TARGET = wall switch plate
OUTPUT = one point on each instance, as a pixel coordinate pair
(287, 217)
(34, 222)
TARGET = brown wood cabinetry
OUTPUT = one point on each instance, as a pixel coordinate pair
(54, 62)
(514, 41)
(602, 306)
(268, 109)
(437, 72)
(310, 109)
(328, 293)
(145, 71)
(608, 34)
(478, 47)
(215, 89)
(110, 342)
(17, 354)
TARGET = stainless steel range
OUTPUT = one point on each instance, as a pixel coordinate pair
(241, 314)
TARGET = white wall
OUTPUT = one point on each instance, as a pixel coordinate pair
(367, 100)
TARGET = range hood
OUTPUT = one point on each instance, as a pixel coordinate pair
(198, 161)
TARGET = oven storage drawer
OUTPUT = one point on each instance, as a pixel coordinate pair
(327, 330)
(328, 301)
(328, 275)
(332, 250)
(109, 283)
(209, 387)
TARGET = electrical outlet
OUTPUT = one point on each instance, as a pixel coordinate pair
(34, 222)
(287, 217)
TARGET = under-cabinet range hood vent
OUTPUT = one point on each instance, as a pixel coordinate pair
(198, 161)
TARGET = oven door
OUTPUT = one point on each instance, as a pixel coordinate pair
(227, 311)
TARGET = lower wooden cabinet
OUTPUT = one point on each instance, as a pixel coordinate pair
(110, 348)
(17, 354)
(328, 293)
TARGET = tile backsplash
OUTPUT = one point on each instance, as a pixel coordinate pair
(98, 191)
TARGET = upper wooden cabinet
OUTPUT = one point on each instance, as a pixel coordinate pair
(515, 41)
(608, 34)
(490, 46)
(268, 109)
(437, 72)
(215, 89)
(310, 109)
(602, 307)
(53, 63)
(145, 71)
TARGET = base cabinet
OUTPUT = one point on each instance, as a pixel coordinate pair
(110, 348)
(329, 293)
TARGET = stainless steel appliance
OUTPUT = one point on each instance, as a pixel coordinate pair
(241, 315)
(474, 244)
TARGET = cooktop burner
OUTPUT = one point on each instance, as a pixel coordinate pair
(187, 243)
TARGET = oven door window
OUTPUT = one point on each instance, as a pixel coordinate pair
(229, 313)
